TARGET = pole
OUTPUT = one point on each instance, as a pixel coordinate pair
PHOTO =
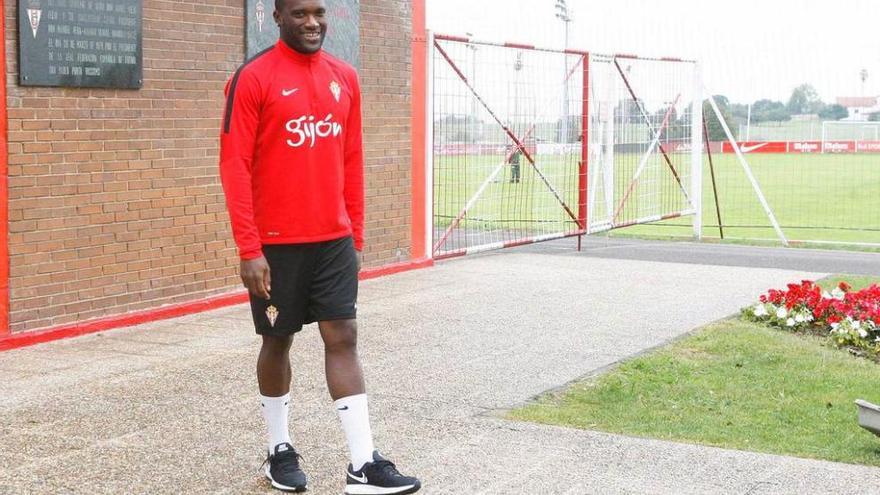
(565, 89)
(712, 171)
(4, 188)
(748, 171)
(749, 124)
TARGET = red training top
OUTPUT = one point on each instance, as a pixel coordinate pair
(291, 151)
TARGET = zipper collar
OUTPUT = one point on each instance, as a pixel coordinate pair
(300, 58)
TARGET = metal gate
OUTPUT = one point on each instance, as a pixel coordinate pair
(531, 144)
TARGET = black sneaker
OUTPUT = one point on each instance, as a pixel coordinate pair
(379, 477)
(282, 469)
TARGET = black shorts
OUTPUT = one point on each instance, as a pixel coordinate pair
(310, 282)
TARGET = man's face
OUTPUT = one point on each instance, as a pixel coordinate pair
(303, 24)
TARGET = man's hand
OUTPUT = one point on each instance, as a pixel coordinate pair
(255, 276)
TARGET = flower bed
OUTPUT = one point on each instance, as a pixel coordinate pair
(850, 318)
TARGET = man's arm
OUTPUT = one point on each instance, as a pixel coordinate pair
(237, 138)
(354, 166)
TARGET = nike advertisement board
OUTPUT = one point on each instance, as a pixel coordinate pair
(758, 147)
(752, 147)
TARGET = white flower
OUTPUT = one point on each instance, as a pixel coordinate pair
(856, 324)
(759, 310)
(826, 295)
(800, 318)
(834, 326)
(863, 333)
(781, 313)
(837, 293)
(790, 322)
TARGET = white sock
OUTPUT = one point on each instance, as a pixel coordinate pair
(275, 411)
(355, 420)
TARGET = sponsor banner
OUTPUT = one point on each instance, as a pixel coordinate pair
(758, 147)
(839, 147)
(800, 147)
(678, 147)
(460, 149)
(805, 147)
(796, 147)
(558, 148)
(868, 146)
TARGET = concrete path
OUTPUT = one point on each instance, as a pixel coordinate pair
(171, 407)
(813, 260)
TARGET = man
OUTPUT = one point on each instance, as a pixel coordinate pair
(514, 165)
(291, 162)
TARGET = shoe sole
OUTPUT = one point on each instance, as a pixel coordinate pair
(284, 488)
(380, 490)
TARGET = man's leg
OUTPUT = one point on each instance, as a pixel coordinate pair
(345, 380)
(273, 375)
(369, 472)
(273, 365)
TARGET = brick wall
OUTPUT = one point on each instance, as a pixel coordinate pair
(115, 204)
(385, 74)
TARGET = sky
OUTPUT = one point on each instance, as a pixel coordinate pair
(749, 49)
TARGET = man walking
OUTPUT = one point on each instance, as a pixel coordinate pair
(291, 163)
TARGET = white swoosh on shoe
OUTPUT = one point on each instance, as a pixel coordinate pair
(362, 478)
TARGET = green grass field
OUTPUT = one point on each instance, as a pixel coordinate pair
(528, 204)
(822, 197)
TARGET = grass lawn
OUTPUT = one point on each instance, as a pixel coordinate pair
(734, 384)
(857, 282)
(819, 197)
(814, 197)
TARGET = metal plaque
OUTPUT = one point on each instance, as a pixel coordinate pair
(80, 43)
(343, 32)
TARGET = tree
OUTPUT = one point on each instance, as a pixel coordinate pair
(874, 117)
(716, 131)
(740, 111)
(458, 129)
(804, 99)
(770, 111)
(628, 112)
(573, 129)
(834, 112)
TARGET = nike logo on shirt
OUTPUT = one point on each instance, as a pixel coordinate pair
(288, 92)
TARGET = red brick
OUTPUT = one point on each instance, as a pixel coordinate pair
(115, 202)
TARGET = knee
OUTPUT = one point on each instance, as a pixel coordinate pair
(340, 336)
(276, 345)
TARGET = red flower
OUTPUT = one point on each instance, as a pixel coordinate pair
(863, 305)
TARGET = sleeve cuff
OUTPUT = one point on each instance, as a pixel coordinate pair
(250, 254)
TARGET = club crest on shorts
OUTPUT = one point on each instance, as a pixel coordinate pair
(272, 314)
(336, 89)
